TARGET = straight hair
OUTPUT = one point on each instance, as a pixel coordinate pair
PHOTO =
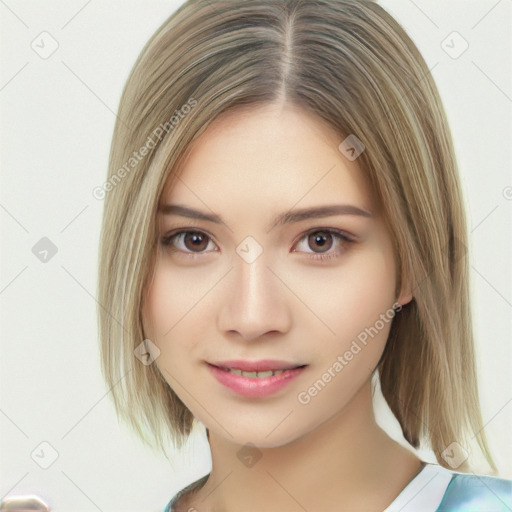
(351, 64)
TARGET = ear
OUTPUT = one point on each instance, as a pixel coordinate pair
(405, 295)
(404, 299)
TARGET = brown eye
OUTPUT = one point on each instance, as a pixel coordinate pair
(188, 242)
(195, 241)
(324, 244)
(320, 241)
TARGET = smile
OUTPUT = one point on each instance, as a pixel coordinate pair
(255, 383)
(253, 375)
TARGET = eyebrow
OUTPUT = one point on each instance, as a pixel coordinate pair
(281, 219)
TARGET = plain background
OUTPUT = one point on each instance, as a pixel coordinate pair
(56, 125)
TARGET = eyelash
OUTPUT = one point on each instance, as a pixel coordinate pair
(343, 238)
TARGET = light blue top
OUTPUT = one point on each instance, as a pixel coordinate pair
(433, 489)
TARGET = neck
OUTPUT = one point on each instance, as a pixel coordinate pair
(349, 449)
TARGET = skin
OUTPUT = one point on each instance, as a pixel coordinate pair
(249, 167)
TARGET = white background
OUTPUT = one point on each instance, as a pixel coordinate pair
(56, 125)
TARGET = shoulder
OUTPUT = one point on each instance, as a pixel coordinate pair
(180, 497)
(476, 493)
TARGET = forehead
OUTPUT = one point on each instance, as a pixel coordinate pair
(260, 157)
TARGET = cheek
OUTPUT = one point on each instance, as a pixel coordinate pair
(161, 312)
(173, 298)
(348, 358)
(177, 299)
(348, 298)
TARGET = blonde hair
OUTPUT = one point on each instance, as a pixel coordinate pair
(353, 66)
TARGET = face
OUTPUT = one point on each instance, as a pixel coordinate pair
(231, 282)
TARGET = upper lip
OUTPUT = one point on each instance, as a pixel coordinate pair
(257, 366)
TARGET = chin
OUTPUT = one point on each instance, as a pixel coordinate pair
(264, 437)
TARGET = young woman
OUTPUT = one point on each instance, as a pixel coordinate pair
(284, 228)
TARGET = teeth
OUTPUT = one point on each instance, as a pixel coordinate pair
(255, 375)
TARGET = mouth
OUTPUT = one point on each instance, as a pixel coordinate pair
(257, 375)
(255, 379)
(256, 369)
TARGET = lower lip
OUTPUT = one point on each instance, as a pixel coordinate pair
(255, 387)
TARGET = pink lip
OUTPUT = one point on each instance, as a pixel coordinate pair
(254, 387)
(256, 366)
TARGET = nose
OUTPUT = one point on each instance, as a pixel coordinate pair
(256, 302)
